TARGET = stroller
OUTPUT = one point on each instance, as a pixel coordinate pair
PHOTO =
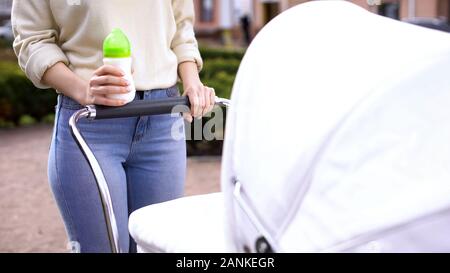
(337, 140)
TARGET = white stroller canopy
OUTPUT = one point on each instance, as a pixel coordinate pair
(339, 134)
(338, 139)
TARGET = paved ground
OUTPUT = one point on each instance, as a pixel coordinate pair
(29, 219)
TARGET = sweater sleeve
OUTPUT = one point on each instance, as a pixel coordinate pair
(184, 44)
(35, 38)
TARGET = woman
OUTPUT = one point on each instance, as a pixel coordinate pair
(59, 45)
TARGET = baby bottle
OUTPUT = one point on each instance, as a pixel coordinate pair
(117, 52)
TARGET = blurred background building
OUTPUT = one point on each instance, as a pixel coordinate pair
(236, 21)
(228, 19)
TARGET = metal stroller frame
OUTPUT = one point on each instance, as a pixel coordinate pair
(133, 109)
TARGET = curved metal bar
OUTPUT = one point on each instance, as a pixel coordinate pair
(90, 112)
(223, 102)
(249, 212)
(105, 196)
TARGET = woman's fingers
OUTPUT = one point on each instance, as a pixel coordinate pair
(201, 102)
(101, 100)
(108, 80)
(194, 100)
(109, 70)
(212, 99)
(108, 89)
(207, 99)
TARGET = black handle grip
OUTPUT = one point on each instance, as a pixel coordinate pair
(144, 108)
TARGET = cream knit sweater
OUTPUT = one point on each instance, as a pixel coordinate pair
(72, 31)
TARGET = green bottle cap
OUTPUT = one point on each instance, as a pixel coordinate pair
(116, 45)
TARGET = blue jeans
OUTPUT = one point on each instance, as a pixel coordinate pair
(142, 163)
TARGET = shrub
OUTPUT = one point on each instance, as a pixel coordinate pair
(19, 97)
(27, 120)
(220, 74)
(6, 123)
(48, 119)
(214, 53)
(5, 44)
(214, 66)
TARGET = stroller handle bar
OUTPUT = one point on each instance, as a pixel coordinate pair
(133, 109)
(145, 108)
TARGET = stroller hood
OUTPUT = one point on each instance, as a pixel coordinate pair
(338, 135)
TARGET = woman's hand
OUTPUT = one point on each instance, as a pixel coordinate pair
(202, 98)
(106, 80)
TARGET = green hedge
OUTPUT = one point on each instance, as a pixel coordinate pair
(215, 53)
(220, 74)
(20, 102)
